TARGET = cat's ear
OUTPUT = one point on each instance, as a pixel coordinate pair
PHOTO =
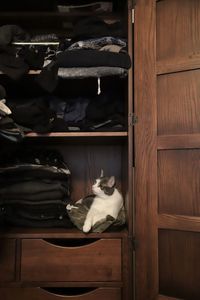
(111, 181)
(101, 173)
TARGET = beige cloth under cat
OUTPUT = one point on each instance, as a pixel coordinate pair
(78, 212)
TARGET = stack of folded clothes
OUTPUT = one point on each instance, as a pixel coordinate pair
(96, 49)
(34, 190)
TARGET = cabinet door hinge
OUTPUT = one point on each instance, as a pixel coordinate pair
(133, 3)
(135, 244)
(133, 119)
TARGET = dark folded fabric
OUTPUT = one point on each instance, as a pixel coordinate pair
(92, 58)
(95, 27)
(33, 56)
(35, 202)
(35, 158)
(24, 222)
(36, 196)
(31, 5)
(13, 66)
(2, 92)
(36, 212)
(33, 114)
(33, 171)
(9, 130)
(48, 77)
(12, 33)
(34, 187)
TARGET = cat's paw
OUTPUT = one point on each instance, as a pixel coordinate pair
(86, 228)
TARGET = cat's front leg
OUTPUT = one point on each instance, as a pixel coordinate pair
(87, 224)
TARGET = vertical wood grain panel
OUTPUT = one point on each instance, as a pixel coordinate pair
(86, 162)
(179, 103)
(178, 31)
(145, 150)
(179, 264)
(7, 259)
(179, 182)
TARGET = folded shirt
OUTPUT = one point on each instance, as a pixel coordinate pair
(92, 58)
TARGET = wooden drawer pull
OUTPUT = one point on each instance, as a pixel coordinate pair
(70, 243)
(69, 291)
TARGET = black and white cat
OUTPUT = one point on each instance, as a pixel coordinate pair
(107, 201)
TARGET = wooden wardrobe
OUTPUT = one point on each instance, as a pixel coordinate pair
(157, 165)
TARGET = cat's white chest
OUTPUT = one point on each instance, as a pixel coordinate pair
(108, 206)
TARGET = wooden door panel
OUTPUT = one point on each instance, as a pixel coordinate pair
(179, 264)
(167, 174)
(179, 182)
(178, 103)
(177, 30)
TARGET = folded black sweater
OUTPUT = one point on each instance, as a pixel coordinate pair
(92, 58)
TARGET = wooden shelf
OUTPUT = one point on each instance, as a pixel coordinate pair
(78, 134)
(179, 222)
(52, 233)
(182, 64)
(184, 141)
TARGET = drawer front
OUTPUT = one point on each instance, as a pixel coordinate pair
(7, 260)
(41, 294)
(100, 260)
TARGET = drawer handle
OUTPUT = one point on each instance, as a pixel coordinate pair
(69, 243)
(69, 291)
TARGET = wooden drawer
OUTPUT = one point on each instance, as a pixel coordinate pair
(7, 260)
(43, 294)
(58, 260)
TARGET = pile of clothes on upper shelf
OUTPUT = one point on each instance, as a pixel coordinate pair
(51, 113)
(96, 49)
(34, 189)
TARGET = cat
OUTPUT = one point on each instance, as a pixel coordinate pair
(107, 201)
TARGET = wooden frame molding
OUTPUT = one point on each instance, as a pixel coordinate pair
(146, 150)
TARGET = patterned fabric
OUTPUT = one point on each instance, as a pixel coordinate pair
(78, 212)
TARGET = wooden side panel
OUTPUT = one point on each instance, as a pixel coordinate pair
(178, 32)
(178, 97)
(7, 259)
(179, 182)
(179, 264)
(146, 276)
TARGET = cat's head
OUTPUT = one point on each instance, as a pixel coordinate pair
(104, 186)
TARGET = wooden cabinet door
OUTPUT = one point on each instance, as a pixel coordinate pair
(167, 149)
